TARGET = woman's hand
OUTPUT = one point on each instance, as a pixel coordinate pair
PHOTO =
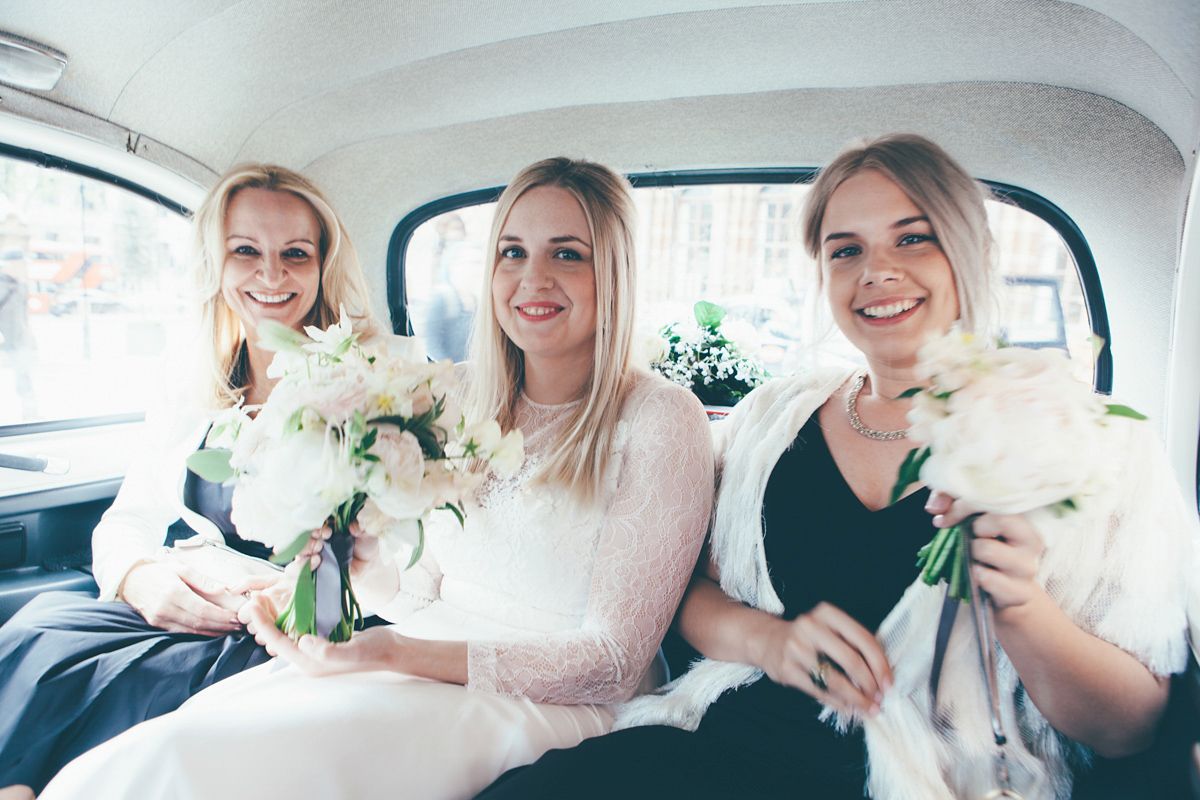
(1006, 551)
(373, 649)
(377, 648)
(177, 598)
(828, 646)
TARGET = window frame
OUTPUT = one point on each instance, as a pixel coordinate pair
(1026, 200)
(48, 161)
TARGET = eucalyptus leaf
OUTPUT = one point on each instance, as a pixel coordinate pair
(212, 464)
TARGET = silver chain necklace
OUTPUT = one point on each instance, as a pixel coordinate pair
(856, 423)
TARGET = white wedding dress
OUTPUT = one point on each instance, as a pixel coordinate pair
(563, 610)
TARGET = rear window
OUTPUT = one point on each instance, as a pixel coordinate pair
(737, 245)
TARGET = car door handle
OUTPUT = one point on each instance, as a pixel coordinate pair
(47, 464)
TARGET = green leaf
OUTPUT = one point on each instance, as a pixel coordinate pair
(276, 336)
(457, 512)
(1124, 411)
(708, 315)
(960, 581)
(909, 393)
(947, 552)
(212, 465)
(299, 617)
(910, 471)
(292, 550)
(420, 548)
(343, 346)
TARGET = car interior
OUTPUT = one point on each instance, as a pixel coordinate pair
(115, 118)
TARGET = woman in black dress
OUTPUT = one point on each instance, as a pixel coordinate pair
(75, 671)
(816, 676)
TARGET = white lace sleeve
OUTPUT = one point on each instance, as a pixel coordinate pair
(647, 549)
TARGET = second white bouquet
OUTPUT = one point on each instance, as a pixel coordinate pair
(1008, 430)
(348, 434)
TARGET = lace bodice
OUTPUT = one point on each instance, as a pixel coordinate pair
(589, 592)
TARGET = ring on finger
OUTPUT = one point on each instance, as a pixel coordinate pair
(820, 671)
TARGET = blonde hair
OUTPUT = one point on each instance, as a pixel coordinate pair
(944, 191)
(577, 461)
(224, 379)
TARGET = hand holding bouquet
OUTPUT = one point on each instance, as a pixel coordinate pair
(347, 435)
(1006, 430)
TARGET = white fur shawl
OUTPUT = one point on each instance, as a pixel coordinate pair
(1118, 568)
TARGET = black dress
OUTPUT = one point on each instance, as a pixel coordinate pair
(74, 671)
(764, 740)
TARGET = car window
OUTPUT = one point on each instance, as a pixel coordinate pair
(93, 283)
(737, 245)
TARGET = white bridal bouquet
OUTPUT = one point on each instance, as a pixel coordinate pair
(348, 434)
(711, 359)
(1008, 430)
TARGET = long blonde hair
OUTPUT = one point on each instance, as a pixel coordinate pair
(578, 460)
(223, 373)
(944, 191)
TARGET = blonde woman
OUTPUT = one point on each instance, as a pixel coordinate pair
(808, 612)
(78, 671)
(513, 635)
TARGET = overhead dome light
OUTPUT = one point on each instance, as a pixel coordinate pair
(29, 65)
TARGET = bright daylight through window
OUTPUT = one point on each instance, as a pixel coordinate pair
(93, 281)
(737, 245)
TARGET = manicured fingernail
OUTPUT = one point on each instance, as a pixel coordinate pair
(938, 520)
(874, 710)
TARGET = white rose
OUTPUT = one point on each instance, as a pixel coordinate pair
(292, 486)
(654, 346)
(396, 536)
(396, 482)
(1016, 439)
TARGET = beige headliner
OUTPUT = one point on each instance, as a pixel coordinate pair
(389, 105)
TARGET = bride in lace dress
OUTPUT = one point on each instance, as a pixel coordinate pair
(512, 634)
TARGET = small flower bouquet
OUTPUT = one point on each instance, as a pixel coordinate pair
(1007, 430)
(346, 435)
(708, 357)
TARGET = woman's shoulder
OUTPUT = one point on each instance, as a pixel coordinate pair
(808, 387)
(650, 394)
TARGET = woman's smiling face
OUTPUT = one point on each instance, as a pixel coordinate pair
(890, 286)
(544, 284)
(272, 258)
